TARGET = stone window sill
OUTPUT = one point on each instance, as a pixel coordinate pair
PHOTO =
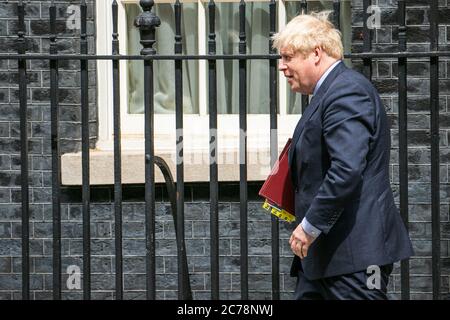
(196, 165)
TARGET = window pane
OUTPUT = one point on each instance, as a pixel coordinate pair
(292, 10)
(227, 39)
(164, 71)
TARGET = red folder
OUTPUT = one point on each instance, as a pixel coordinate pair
(278, 190)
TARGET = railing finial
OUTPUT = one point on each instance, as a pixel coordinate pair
(147, 21)
(115, 34)
(52, 36)
(22, 45)
(147, 4)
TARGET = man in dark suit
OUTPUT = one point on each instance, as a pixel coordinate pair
(350, 232)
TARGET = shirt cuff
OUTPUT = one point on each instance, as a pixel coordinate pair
(310, 229)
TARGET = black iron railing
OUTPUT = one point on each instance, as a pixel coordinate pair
(147, 23)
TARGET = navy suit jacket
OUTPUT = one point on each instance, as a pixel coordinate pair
(339, 160)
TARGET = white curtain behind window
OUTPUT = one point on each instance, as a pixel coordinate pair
(227, 41)
(164, 70)
(257, 38)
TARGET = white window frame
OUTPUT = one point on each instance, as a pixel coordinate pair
(196, 135)
(195, 125)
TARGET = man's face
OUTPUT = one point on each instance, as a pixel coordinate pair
(300, 71)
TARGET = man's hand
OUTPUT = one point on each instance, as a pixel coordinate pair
(300, 242)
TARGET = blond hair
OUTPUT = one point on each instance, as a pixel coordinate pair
(306, 32)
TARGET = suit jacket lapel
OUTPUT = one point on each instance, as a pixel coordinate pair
(300, 125)
(312, 107)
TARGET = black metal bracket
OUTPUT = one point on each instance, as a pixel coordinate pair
(171, 190)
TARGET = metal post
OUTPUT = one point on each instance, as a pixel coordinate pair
(56, 160)
(117, 157)
(305, 97)
(184, 288)
(435, 181)
(86, 193)
(213, 172)
(22, 64)
(243, 188)
(147, 22)
(337, 14)
(273, 85)
(403, 139)
(367, 39)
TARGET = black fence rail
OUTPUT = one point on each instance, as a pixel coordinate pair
(147, 22)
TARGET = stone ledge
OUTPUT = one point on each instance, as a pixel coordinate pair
(196, 167)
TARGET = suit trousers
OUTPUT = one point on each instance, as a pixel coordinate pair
(354, 286)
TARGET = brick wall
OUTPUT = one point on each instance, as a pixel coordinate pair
(197, 195)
